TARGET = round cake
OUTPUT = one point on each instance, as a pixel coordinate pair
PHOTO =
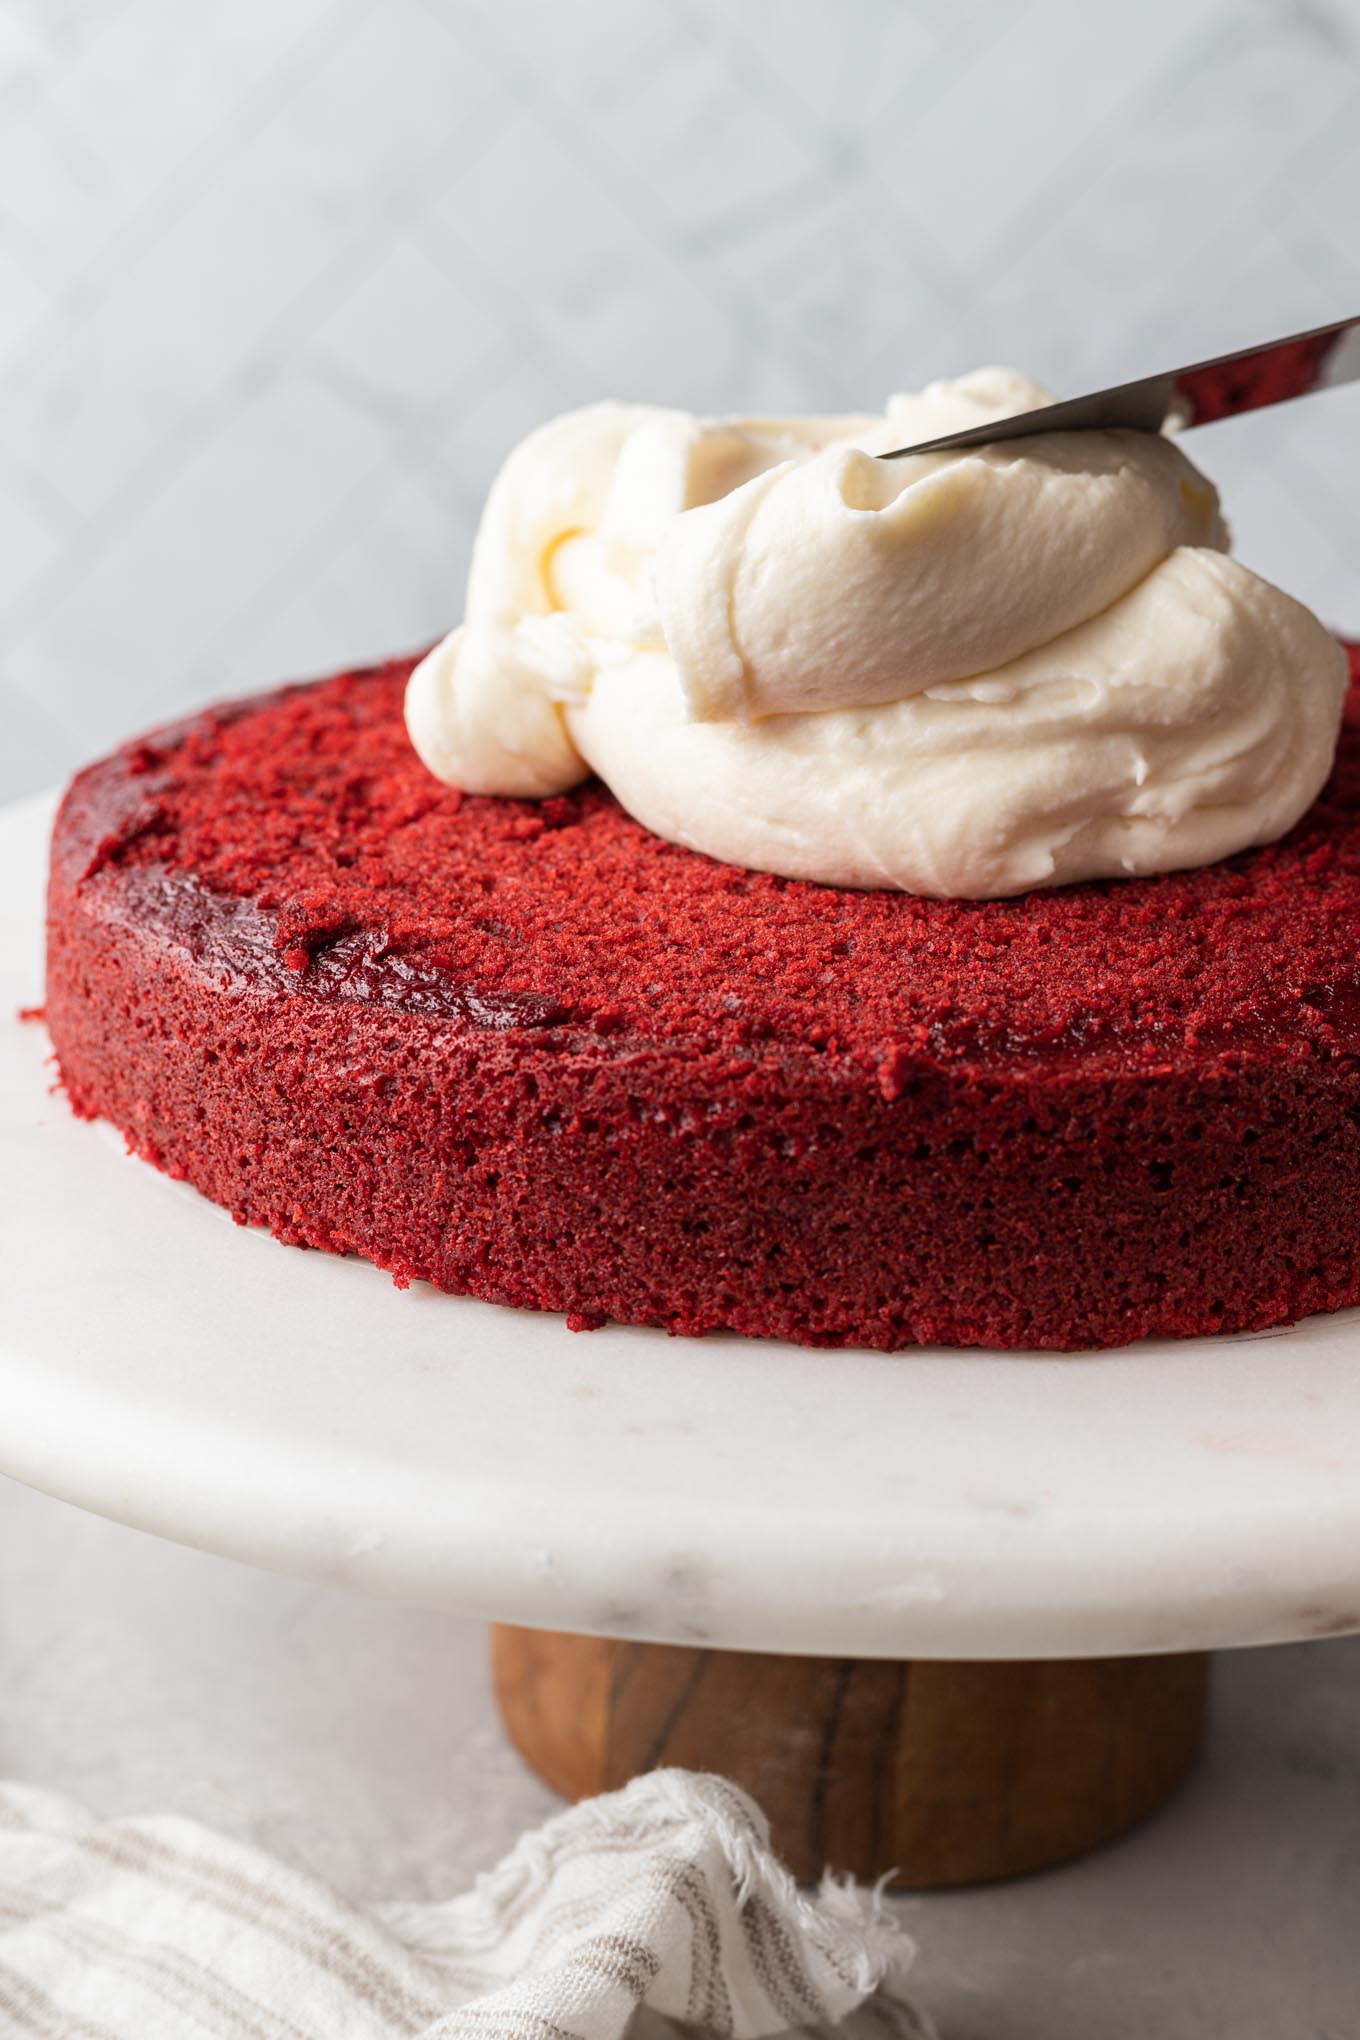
(531, 1052)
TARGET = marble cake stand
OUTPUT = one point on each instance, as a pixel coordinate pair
(1052, 1543)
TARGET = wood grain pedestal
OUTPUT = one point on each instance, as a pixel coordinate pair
(942, 1773)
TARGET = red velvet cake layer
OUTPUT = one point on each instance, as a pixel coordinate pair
(534, 1053)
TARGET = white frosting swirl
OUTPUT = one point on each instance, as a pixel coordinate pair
(962, 675)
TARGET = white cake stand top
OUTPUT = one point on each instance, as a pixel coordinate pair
(161, 1366)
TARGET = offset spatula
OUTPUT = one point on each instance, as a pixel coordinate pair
(1207, 390)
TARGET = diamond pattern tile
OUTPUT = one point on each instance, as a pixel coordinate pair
(281, 281)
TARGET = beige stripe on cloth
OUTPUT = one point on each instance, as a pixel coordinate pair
(660, 1903)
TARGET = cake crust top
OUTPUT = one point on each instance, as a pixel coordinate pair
(302, 825)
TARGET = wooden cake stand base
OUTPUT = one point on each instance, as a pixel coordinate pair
(942, 1773)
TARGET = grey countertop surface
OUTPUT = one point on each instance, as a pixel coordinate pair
(358, 1740)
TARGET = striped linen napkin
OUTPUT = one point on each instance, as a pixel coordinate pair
(662, 1899)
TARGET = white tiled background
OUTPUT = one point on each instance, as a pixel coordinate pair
(281, 279)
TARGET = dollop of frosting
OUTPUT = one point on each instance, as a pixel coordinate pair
(964, 675)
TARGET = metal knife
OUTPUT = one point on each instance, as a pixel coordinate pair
(1319, 359)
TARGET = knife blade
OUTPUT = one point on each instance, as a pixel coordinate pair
(1200, 394)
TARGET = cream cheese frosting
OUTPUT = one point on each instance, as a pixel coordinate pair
(962, 675)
